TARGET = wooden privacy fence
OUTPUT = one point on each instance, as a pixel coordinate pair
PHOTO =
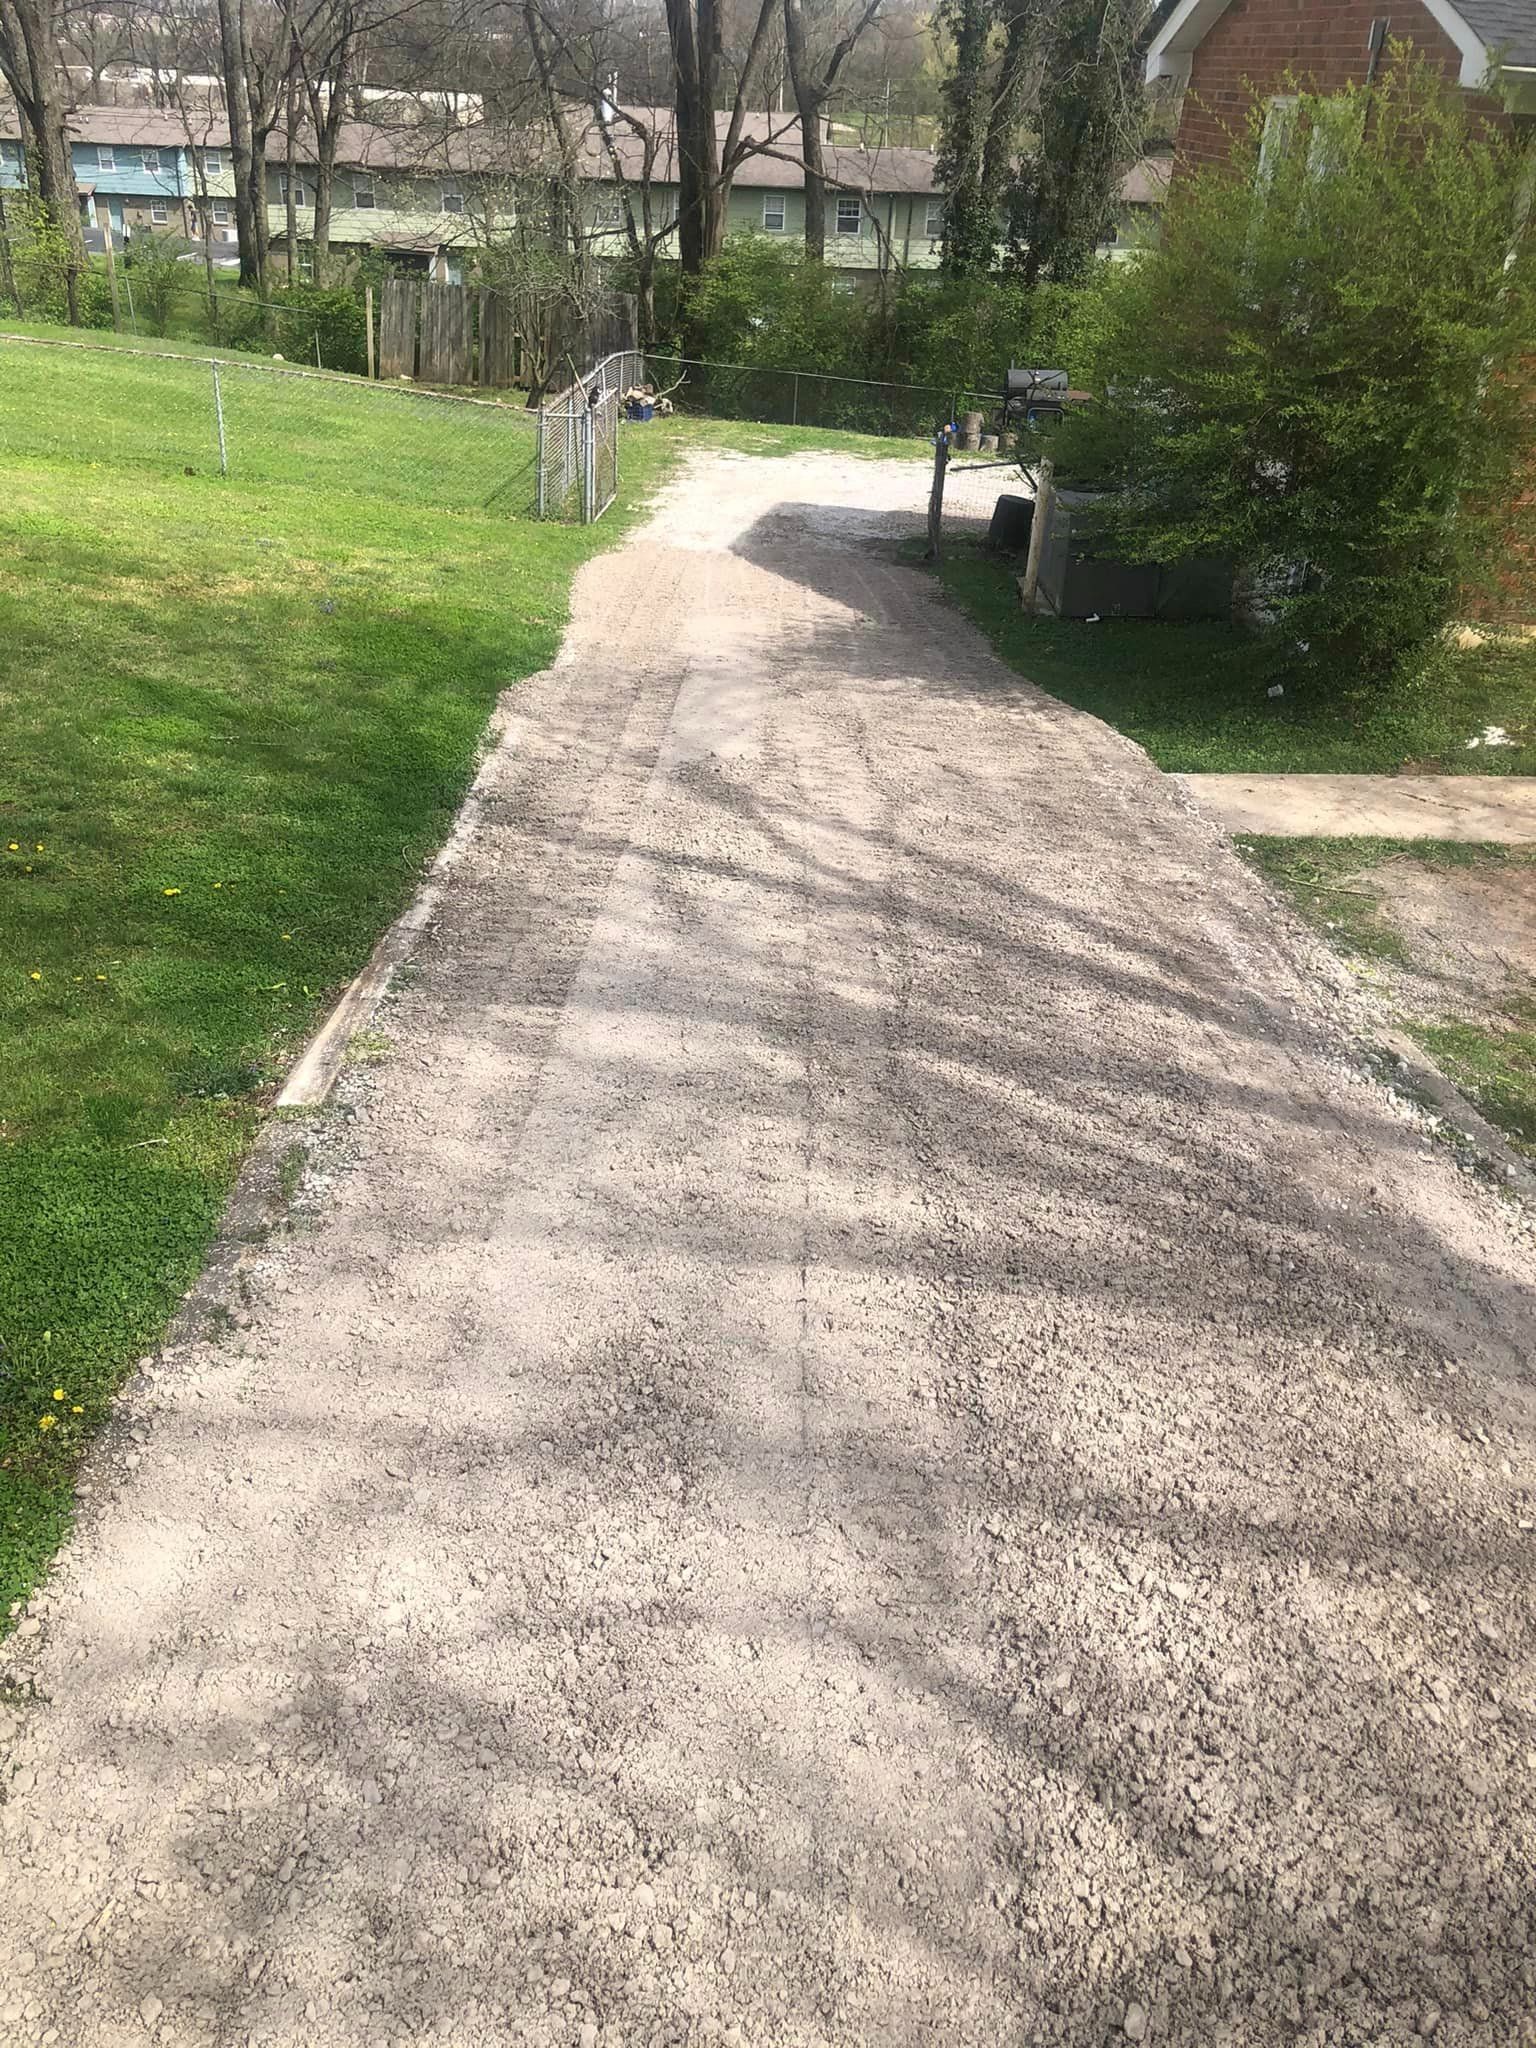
(459, 334)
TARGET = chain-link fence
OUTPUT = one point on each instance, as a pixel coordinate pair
(970, 489)
(264, 423)
(578, 442)
(812, 398)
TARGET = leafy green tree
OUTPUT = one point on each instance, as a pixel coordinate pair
(990, 42)
(158, 277)
(1092, 114)
(1322, 370)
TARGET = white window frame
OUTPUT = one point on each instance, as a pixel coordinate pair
(843, 201)
(452, 200)
(359, 187)
(213, 163)
(300, 190)
(218, 212)
(159, 213)
(1280, 117)
(774, 202)
(935, 211)
(152, 161)
(106, 157)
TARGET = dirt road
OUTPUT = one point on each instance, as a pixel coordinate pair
(876, 1442)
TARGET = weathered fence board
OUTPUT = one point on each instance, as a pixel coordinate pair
(568, 339)
(445, 334)
(397, 328)
(498, 342)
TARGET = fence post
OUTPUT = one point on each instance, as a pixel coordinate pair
(794, 403)
(1029, 587)
(538, 464)
(218, 413)
(368, 320)
(588, 465)
(936, 496)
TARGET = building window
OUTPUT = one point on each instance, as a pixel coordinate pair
(106, 159)
(157, 213)
(453, 202)
(933, 226)
(1279, 128)
(362, 192)
(300, 196)
(213, 162)
(220, 214)
(151, 159)
(773, 213)
(306, 263)
(850, 214)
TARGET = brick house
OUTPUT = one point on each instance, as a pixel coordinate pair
(1224, 55)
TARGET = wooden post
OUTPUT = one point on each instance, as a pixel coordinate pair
(1030, 580)
(936, 496)
(117, 318)
(368, 320)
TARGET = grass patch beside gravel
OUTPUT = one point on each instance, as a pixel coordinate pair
(239, 717)
(1195, 696)
(1488, 1051)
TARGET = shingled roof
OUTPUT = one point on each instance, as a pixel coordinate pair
(1507, 27)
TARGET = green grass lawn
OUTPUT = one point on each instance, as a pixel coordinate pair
(1491, 1057)
(1195, 695)
(238, 715)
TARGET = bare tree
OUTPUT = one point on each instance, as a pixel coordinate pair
(250, 217)
(814, 84)
(176, 42)
(706, 165)
(32, 66)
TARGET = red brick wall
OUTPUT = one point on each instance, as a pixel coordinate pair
(1255, 42)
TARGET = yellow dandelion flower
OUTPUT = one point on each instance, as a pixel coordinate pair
(287, 935)
(14, 847)
(170, 892)
(46, 1421)
(101, 977)
(36, 974)
(77, 1409)
(218, 885)
(58, 1393)
(39, 846)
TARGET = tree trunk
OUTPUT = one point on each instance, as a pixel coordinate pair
(694, 37)
(7, 268)
(237, 102)
(808, 102)
(291, 169)
(31, 65)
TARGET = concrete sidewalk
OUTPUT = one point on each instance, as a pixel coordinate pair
(1471, 808)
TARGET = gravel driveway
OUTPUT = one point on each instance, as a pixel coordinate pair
(875, 1439)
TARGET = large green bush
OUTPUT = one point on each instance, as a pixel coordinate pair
(1317, 371)
(291, 321)
(766, 308)
(158, 278)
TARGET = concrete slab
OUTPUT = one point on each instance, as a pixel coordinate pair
(1471, 808)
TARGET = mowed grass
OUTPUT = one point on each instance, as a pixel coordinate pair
(1196, 696)
(238, 718)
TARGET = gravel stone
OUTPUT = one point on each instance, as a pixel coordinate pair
(875, 1244)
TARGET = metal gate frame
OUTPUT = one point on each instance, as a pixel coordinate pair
(578, 441)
